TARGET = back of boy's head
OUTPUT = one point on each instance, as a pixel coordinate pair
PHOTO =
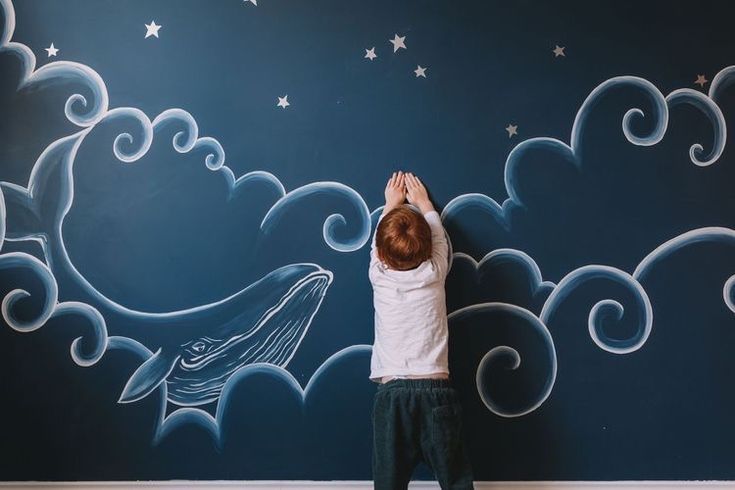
(403, 239)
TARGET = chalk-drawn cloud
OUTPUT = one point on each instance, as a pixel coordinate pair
(171, 197)
(607, 308)
(507, 386)
(495, 359)
(77, 91)
(494, 331)
(503, 275)
(713, 234)
(50, 307)
(328, 418)
(334, 222)
(568, 202)
(559, 207)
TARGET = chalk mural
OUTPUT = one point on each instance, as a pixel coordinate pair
(217, 305)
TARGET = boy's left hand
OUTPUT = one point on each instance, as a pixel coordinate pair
(395, 191)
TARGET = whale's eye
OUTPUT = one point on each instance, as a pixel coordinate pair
(199, 346)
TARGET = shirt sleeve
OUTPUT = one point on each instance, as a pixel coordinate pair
(439, 244)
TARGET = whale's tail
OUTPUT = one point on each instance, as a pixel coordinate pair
(35, 212)
(22, 218)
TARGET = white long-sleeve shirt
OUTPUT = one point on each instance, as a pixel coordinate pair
(411, 334)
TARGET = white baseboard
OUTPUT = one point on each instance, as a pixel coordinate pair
(333, 485)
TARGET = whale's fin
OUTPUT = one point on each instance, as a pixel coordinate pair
(22, 220)
(148, 376)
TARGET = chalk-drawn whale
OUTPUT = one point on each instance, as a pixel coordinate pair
(198, 348)
(270, 323)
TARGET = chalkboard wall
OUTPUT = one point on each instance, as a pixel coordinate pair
(189, 189)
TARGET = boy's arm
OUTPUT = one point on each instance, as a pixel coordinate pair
(395, 195)
(417, 195)
(439, 245)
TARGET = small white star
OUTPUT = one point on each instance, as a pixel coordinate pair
(398, 42)
(283, 101)
(701, 80)
(512, 130)
(420, 72)
(558, 51)
(51, 50)
(152, 29)
(370, 54)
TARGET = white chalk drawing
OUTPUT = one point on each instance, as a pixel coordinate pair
(51, 307)
(259, 328)
(484, 366)
(197, 370)
(508, 254)
(166, 424)
(574, 279)
(263, 323)
(564, 289)
(32, 78)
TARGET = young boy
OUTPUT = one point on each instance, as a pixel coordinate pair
(416, 412)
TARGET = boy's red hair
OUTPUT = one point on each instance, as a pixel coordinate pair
(403, 239)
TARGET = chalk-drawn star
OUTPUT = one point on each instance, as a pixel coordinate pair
(51, 50)
(370, 54)
(398, 42)
(558, 51)
(420, 72)
(701, 80)
(512, 130)
(283, 101)
(152, 29)
(254, 2)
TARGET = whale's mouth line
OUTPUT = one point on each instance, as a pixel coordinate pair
(317, 282)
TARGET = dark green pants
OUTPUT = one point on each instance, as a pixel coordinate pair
(418, 420)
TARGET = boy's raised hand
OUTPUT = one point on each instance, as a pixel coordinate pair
(395, 191)
(417, 194)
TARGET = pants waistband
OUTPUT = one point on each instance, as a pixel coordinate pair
(420, 383)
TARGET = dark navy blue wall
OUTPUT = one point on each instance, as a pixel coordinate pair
(591, 292)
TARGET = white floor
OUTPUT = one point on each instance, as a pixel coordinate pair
(332, 485)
